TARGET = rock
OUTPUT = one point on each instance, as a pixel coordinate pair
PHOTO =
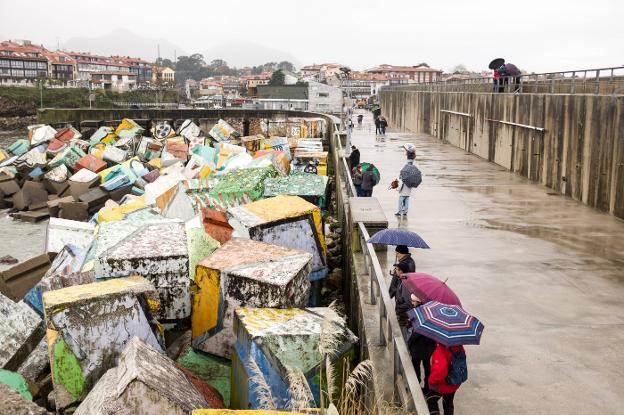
(8, 259)
(13, 403)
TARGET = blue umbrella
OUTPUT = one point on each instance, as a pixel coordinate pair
(447, 324)
(398, 236)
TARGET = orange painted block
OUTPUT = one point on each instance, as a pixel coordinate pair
(90, 162)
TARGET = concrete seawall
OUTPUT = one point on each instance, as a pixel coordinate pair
(573, 144)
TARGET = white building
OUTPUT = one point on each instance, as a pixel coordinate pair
(114, 80)
(324, 98)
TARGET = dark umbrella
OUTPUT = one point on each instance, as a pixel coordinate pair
(428, 288)
(449, 325)
(369, 166)
(496, 63)
(397, 236)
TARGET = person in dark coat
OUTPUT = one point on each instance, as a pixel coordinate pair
(402, 255)
(377, 126)
(383, 124)
(356, 175)
(368, 182)
(402, 302)
(421, 348)
(354, 157)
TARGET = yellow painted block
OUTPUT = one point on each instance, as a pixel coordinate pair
(109, 139)
(205, 172)
(119, 212)
(205, 311)
(156, 163)
(64, 296)
(258, 319)
(3, 155)
(126, 124)
(250, 412)
(284, 206)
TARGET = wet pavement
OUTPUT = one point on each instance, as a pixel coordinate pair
(544, 273)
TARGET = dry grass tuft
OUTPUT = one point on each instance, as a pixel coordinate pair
(262, 388)
(301, 395)
(332, 331)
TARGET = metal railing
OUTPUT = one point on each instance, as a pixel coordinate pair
(599, 81)
(406, 387)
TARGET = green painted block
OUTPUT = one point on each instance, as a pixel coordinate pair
(213, 370)
(16, 382)
(200, 245)
(66, 370)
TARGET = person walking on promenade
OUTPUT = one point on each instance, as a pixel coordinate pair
(356, 174)
(369, 180)
(377, 126)
(383, 124)
(360, 117)
(354, 157)
(409, 178)
(448, 364)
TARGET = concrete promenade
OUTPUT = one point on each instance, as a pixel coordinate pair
(544, 273)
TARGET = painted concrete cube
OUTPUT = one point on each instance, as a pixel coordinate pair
(244, 273)
(144, 382)
(89, 325)
(21, 329)
(278, 339)
(153, 247)
(287, 221)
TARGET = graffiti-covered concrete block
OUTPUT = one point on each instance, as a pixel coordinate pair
(153, 247)
(241, 273)
(287, 221)
(279, 339)
(89, 325)
(144, 382)
(21, 329)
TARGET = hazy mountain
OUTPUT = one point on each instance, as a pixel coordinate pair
(123, 42)
(241, 53)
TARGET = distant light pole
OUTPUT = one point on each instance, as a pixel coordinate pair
(41, 93)
(346, 71)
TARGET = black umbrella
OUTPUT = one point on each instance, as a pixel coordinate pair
(496, 63)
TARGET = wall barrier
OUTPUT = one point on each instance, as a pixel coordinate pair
(573, 144)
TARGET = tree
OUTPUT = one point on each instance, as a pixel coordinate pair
(425, 64)
(168, 63)
(277, 78)
(286, 66)
(190, 67)
(461, 68)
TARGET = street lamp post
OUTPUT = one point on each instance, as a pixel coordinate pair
(346, 71)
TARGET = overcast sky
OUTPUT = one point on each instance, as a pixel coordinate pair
(537, 36)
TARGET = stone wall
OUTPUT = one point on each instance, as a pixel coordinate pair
(573, 144)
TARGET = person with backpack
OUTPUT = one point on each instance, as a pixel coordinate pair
(369, 180)
(377, 126)
(383, 124)
(409, 178)
(448, 372)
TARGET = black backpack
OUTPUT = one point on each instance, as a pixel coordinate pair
(458, 369)
(411, 176)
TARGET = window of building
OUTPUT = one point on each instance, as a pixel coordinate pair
(30, 73)
(5, 71)
(323, 94)
(17, 64)
(19, 73)
(5, 63)
(41, 65)
(30, 65)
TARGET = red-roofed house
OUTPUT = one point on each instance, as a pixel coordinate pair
(21, 63)
(407, 74)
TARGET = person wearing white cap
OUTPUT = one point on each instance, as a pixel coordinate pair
(409, 177)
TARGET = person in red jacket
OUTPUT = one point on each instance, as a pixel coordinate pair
(438, 386)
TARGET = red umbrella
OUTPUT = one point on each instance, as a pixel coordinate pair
(429, 288)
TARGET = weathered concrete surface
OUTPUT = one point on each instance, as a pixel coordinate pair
(543, 272)
(21, 240)
(577, 147)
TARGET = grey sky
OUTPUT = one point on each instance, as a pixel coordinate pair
(535, 35)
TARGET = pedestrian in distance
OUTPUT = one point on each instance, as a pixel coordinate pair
(350, 125)
(360, 118)
(402, 302)
(448, 372)
(409, 178)
(369, 180)
(383, 124)
(354, 157)
(356, 175)
(377, 125)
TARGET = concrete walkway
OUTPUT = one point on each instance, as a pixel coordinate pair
(544, 273)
